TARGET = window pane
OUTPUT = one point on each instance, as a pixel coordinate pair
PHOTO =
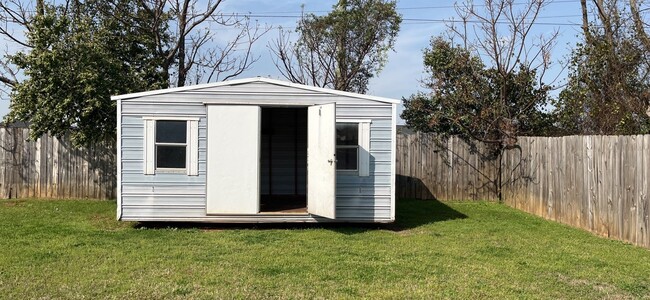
(347, 134)
(171, 131)
(346, 158)
(170, 156)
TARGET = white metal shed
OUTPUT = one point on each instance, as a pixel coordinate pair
(255, 150)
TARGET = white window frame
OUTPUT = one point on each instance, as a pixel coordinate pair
(363, 147)
(185, 144)
(191, 144)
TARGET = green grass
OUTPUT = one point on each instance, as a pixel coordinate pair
(75, 249)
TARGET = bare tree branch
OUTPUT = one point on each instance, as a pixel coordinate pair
(198, 51)
(341, 50)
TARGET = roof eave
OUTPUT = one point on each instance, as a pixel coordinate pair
(249, 80)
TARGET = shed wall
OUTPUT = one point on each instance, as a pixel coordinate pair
(182, 197)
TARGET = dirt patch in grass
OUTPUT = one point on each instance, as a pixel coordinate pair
(603, 288)
(12, 203)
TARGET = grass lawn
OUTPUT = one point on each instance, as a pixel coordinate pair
(76, 249)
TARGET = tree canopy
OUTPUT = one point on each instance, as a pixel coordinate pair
(341, 50)
(485, 83)
(79, 57)
(465, 98)
(608, 88)
(76, 54)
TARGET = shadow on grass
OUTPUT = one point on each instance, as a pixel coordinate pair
(410, 214)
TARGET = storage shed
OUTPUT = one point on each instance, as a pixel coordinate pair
(255, 150)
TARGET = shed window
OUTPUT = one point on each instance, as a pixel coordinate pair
(347, 146)
(171, 144)
(353, 146)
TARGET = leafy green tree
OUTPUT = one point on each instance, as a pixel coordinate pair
(608, 89)
(341, 50)
(80, 56)
(486, 81)
(465, 99)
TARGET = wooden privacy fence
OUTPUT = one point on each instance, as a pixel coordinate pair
(598, 183)
(451, 171)
(53, 168)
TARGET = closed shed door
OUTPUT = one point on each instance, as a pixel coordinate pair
(233, 159)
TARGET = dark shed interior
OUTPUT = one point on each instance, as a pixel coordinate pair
(283, 166)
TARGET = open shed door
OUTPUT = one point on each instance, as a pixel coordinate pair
(321, 160)
(233, 160)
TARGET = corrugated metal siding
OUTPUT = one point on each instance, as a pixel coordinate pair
(161, 191)
(181, 197)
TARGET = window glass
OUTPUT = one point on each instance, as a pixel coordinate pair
(347, 146)
(170, 156)
(347, 134)
(171, 131)
(171, 144)
(346, 158)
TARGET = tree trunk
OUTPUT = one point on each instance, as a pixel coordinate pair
(40, 7)
(500, 176)
(182, 73)
(604, 15)
(182, 34)
(341, 54)
(638, 25)
(585, 18)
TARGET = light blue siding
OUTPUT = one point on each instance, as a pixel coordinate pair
(178, 197)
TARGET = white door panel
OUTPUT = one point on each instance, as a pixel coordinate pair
(321, 160)
(233, 159)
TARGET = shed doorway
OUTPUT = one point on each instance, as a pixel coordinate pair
(283, 160)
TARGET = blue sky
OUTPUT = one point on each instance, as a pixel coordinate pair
(404, 70)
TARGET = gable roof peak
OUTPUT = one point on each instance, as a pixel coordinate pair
(251, 80)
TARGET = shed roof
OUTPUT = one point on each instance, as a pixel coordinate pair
(253, 80)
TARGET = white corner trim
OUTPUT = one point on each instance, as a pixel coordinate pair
(119, 160)
(393, 156)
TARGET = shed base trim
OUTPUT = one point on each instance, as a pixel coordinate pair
(269, 219)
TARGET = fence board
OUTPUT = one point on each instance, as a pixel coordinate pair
(645, 199)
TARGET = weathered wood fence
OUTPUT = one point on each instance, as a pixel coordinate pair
(598, 183)
(53, 168)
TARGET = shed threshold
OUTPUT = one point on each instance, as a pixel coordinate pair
(283, 204)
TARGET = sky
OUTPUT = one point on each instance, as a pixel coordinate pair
(404, 71)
